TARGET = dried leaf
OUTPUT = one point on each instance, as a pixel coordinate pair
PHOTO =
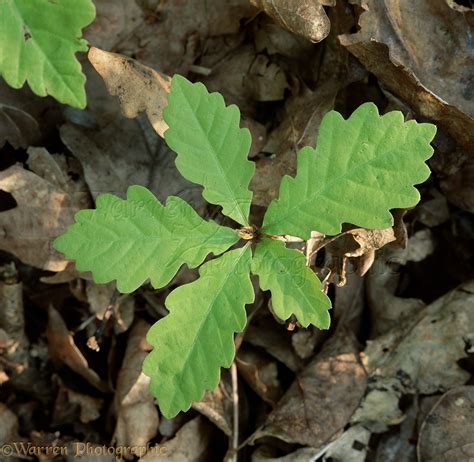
(457, 182)
(19, 358)
(350, 301)
(17, 127)
(5, 340)
(323, 397)
(299, 128)
(217, 405)
(120, 154)
(44, 208)
(68, 274)
(277, 40)
(405, 44)
(360, 245)
(139, 88)
(95, 452)
(400, 445)
(61, 347)
(14, 344)
(379, 408)
(259, 135)
(352, 446)
(137, 415)
(190, 444)
(169, 35)
(447, 434)
(388, 310)
(433, 212)
(306, 18)
(44, 111)
(114, 22)
(268, 454)
(357, 246)
(304, 341)
(99, 297)
(245, 77)
(229, 76)
(261, 373)
(276, 341)
(265, 81)
(8, 425)
(12, 319)
(420, 245)
(71, 405)
(89, 407)
(437, 335)
(52, 168)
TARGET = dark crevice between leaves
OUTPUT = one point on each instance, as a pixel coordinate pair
(7, 201)
(452, 257)
(465, 3)
(10, 156)
(467, 363)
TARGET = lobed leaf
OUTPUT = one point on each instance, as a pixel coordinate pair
(295, 288)
(38, 40)
(212, 149)
(361, 168)
(137, 239)
(196, 339)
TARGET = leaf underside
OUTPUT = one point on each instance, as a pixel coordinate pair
(38, 40)
(212, 149)
(196, 338)
(294, 287)
(138, 239)
(361, 168)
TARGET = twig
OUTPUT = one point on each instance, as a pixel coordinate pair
(200, 70)
(235, 401)
(93, 342)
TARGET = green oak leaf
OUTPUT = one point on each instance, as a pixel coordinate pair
(295, 288)
(212, 149)
(196, 338)
(361, 168)
(38, 40)
(137, 239)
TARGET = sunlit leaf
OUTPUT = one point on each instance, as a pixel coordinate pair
(196, 338)
(38, 41)
(138, 239)
(212, 149)
(361, 168)
(294, 287)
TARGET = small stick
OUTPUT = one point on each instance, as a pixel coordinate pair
(200, 70)
(235, 400)
(93, 342)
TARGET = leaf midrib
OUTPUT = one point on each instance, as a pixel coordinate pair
(215, 157)
(206, 317)
(319, 192)
(290, 273)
